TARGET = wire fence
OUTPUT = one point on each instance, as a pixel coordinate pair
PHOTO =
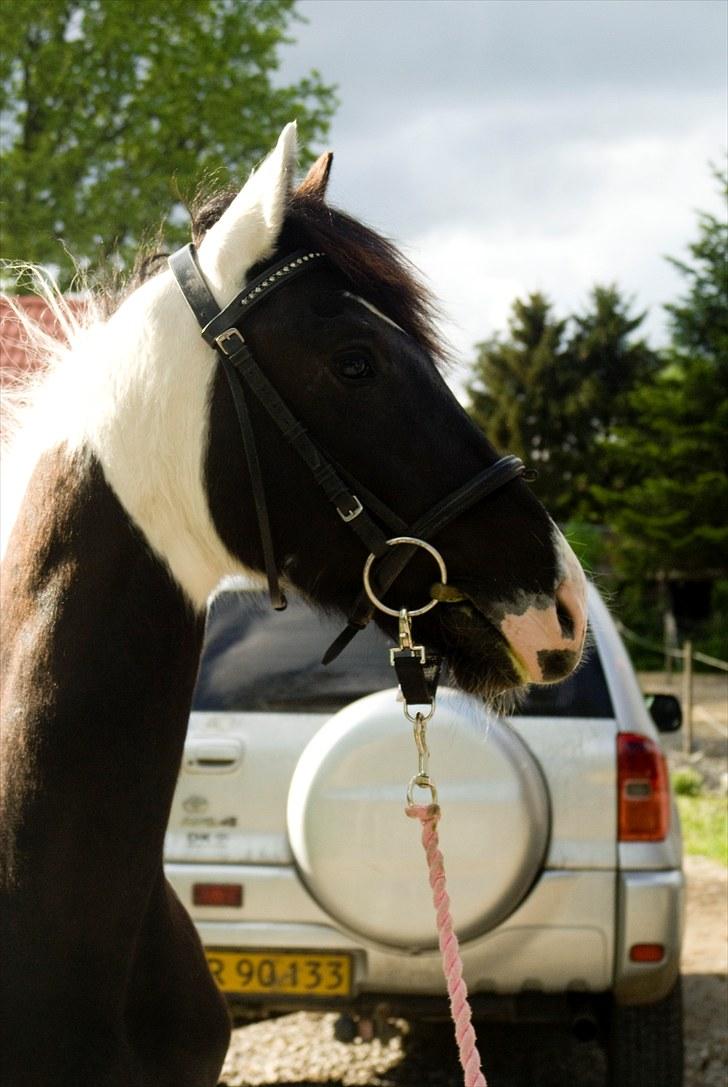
(668, 651)
(687, 655)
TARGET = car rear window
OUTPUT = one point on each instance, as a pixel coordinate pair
(255, 659)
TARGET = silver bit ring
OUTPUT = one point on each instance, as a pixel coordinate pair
(412, 541)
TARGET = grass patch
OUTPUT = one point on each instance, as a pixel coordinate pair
(705, 826)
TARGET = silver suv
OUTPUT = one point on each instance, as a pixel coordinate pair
(289, 846)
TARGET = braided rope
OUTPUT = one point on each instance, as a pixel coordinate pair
(429, 816)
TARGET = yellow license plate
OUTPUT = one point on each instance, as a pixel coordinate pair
(280, 973)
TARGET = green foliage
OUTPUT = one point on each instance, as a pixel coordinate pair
(687, 782)
(512, 396)
(704, 826)
(554, 389)
(113, 112)
(590, 543)
(712, 638)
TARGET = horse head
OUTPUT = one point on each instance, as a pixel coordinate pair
(351, 349)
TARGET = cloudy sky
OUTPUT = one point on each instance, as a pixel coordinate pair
(520, 145)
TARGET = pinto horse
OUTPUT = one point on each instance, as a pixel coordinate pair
(135, 499)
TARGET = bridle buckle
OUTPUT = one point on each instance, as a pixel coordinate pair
(224, 339)
(351, 514)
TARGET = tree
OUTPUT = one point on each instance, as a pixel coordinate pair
(668, 495)
(513, 394)
(699, 322)
(605, 361)
(554, 389)
(113, 112)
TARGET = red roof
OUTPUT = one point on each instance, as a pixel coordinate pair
(15, 359)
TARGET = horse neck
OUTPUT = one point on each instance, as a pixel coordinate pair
(99, 656)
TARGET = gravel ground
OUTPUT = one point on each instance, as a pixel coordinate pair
(300, 1050)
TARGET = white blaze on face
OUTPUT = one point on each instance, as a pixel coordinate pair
(546, 633)
(374, 310)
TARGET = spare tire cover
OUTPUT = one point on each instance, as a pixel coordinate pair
(359, 855)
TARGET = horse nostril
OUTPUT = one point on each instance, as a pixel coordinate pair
(556, 664)
(566, 620)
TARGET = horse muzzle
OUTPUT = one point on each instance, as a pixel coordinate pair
(546, 634)
(542, 634)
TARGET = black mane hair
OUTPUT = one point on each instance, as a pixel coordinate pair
(372, 264)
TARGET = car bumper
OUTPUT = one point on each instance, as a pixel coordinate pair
(560, 938)
(573, 933)
(651, 908)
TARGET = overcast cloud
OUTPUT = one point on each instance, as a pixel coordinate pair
(520, 145)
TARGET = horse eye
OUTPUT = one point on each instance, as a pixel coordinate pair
(354, 366)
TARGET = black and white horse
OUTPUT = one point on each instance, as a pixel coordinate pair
(132, 501)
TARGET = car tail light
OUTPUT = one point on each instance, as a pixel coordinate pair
(644, 791)
(217, 894)
(646, 953)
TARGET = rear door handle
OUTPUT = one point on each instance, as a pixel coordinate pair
(218, 756)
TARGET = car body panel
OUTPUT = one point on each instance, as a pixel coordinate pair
(570, 930)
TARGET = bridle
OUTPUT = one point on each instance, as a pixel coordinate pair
(355, 504)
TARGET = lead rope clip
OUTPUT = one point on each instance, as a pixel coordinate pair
(410, 661)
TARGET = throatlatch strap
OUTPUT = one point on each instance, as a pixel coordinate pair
(277, 597)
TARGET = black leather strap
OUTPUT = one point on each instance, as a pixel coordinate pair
(417, 681)
(219, 329)
(292, 266)
(347, 504)
(277, 598)
(394, 562)
(198, 296)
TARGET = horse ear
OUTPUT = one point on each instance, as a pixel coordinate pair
(248, 229)
(316, 180)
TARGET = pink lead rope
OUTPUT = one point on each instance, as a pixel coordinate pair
(409, 662)
(429, 816)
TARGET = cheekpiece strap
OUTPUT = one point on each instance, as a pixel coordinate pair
(220, 331)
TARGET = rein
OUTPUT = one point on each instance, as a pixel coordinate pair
(352, 500)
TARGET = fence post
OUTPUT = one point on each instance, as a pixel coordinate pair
(687, 696)
(670, 641)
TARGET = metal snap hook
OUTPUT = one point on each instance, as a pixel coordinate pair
(421, 781)
(414, 543)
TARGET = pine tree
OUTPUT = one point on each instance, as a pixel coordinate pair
(604, 363)
(668, 495)
(514, 391)
(553, 390)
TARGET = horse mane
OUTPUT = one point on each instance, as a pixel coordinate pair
(371, 263)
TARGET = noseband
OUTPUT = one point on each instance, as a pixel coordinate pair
(355, 504)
